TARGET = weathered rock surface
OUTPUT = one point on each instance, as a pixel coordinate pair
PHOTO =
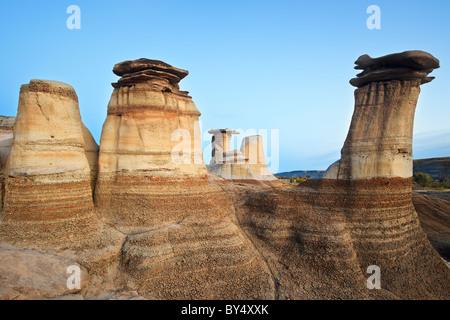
(434, 215)
(150, 159)
(186, 234)
(48, 172)
(6, 138)
(91, 149)
(361, 212)
(182, 238)
(226, 163)
(246, 165)
(379, 142)
(408, 65)
(27, 274)
(48, 200)
(253, 149)
(323, 235)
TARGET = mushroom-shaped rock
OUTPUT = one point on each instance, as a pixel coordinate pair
(408, 65)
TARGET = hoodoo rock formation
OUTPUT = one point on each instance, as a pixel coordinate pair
(144, 179)
(6, 137)
(248, 164)
(47, 168)
(182, 239)
(379, 142)
(161, 227)
(226, 163)
(48, 200)
(361, 213)
(253, 149)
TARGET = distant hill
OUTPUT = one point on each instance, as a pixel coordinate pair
(435, 167)
(315, 174)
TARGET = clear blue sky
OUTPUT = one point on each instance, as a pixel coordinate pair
(253, 64)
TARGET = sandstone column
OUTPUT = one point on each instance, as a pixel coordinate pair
(253, 149)
(150, 163)
(226, 163)
(182, 239)
(48, 174)
(372, 183)
(379, 142)
(220, 143)
(6, 137)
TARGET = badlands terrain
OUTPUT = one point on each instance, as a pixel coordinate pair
(143, 217)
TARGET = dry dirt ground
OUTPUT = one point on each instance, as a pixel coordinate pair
(434, 216)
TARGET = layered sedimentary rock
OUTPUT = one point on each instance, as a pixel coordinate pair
(434, 215)
(226, 163)
(379, 142)
(47, 167)
(253, 149)
(182, 239)
(150, 159)
(48, 196)
(91, 149)
(6, 137)
(246, 165)
(188, 235)
(360, 214)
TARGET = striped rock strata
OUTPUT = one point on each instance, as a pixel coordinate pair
(150, 159)
(323, 235)
(48, 200)
(6, 137)
(182, 238)
(379, 142)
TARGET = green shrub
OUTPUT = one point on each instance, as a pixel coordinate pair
(445, 182)
(436, 185)
(423, 179)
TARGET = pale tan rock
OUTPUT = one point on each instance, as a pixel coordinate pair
(26, 274)
(47, 154)
(181, 228)
(220, 144)
(48, 137)
(91, 149)
(247, 164)
(48, 200)
(6, 138)
(253, 149)
(151, 167)
(379, 142)
(226, 163)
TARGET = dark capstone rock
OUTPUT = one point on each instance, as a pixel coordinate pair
(408, 65)
(134, 66)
